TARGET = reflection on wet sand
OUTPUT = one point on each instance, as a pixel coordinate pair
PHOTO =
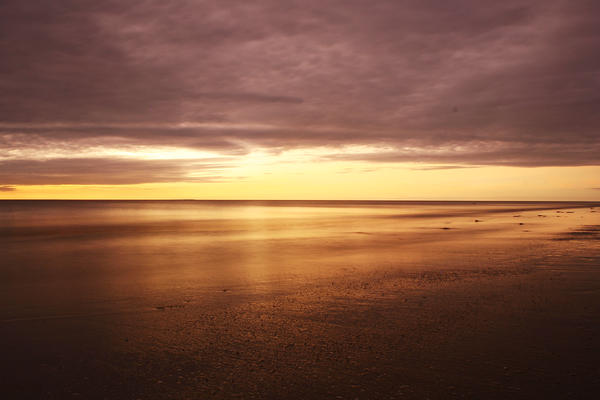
(299, 299)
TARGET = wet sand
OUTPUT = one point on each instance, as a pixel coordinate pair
(311, 301)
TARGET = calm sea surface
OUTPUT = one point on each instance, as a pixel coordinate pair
(62, 258)
(326, 299)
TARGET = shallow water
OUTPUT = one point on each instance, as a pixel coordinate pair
(64, 258)
(194, 299)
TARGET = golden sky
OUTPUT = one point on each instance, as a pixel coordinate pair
(349, 180)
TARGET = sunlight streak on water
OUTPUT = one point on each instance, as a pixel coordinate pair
(61, 258)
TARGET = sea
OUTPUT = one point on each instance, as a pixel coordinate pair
(70, 258)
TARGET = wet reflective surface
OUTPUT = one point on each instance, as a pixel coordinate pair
(185, 299)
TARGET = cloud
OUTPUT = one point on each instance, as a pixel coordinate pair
(101, 171)
(466, 82)
(7, 188)
(440, 167)
(469, 154)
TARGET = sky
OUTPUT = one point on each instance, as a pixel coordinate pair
(282, 99)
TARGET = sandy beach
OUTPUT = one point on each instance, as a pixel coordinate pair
(261, 300)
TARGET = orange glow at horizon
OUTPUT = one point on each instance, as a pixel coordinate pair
(299, 180)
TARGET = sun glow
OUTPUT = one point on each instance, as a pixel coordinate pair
(317, 172)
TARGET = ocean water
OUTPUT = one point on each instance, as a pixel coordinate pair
(234, 299)
(70, 258)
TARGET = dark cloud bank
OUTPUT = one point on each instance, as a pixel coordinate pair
(461, 82)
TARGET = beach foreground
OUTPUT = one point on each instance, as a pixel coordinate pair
(157, 300)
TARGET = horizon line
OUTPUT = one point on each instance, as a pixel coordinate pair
(348, 200)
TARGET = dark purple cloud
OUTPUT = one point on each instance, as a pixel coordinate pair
(466, 82)
(106, 171)
(7, 188)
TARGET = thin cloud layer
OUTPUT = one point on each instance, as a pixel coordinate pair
(462, 83)
(102, 171)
